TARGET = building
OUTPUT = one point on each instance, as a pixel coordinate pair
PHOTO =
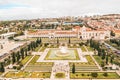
(117, 32)
(77, 32)
(7, 35)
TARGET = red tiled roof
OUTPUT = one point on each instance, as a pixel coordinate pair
(65, 32)
(117, 31)
(77, 27)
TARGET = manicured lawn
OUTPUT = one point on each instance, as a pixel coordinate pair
(36, 49)
(0, 73)
(90, 62)
(38, 66)
(83, 49)
(42, 49)
(98, 59)
(89, 48)
(87, 75)
(26, 59)
(22, 74)
(33, 61)
(84, 66)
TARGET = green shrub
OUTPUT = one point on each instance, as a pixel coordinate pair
(94, 74)
(82, 74)
(105, 74)
(19, 67)
(14, 67)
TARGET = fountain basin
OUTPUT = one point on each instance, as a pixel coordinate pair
(63, 51)
(55, 54)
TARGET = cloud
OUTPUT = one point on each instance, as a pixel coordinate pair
(27, 9)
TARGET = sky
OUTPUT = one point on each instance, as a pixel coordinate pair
(33, 9)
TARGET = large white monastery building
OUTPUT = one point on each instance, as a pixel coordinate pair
(77, 32)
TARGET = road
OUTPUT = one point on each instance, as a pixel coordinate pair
(109, 46)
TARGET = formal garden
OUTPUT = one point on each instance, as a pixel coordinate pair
(33, 69)
(94, 75)
(39, 66)
(27, 65)
(26, 59)
(23, 74)
(84, 66)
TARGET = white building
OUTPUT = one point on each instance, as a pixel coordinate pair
(7, 35)
(77, 32)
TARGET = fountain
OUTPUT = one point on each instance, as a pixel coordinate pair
(62, 52)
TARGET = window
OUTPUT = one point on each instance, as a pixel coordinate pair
(96, 34)
(89, 34)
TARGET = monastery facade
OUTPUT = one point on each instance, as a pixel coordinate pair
(77, 32)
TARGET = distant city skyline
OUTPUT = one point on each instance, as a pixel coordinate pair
(32, 9)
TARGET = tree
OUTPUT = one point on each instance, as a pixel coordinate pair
(26, 52)
(105, 74)
(88, 42)
(91, 43)
(36, 43)
(73, 68)
(102, 64)
(69, 41)
(107, 59)
(29, 47)
(99, 53)
(32, 45)
(18, 56)
(94, 74)
(111, 59)
(13, 58)
(1, 46)
(2, 69)
(39, 40)
(22, 53)
(10, 38)
(57, 41)
(112, 33)
(103, 56)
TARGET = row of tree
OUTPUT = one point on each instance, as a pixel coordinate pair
(97, 46)
(102, 52)
(117, 42)
(16, 57)
(69, 41)
(2, 67)
(93, 74)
